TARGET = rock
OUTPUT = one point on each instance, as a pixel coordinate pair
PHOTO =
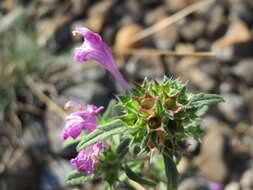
(237, 33)
(193, 183)
(54, 175)
(47, 28)
(212, 158)
(177, 5)
(241, 10)
(153, 16)
(225, 87)
(193, 30)
(96, 22)
(122, 40)
(232, 186)
(185, 48)
(183, 165)
(217, 26)
(20, 173)
(247, 180)
(233, 108)
(34, 136)
(167, 37)
(144, 66)
(244, 70)
(201, 80)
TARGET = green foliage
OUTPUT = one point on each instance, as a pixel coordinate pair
(156, 115)
(101, 133)
(20, 56)
(134, 176)
(76, 178)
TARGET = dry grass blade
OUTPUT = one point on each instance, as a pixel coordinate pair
(28, 108)
(167, 52)
(170, 20)
(38, 92)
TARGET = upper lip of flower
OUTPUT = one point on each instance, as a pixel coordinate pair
(94, 48)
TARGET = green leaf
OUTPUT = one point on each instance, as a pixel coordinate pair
(171, 172)
(76, 178)
(198, 100)
(109, 111)
(102, 132)
(123, 148)
(134, 176)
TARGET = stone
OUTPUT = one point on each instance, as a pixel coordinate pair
(244, 70)
(232, 186)
(237, 33)
(193, 183)
(233, 108)
(247, 180)
(144, 66)
(201, 79)
(20, 173)
(212, 154)
(54, 175)
(166, 38)
(177, 5)
(193, 30)
(122, 40)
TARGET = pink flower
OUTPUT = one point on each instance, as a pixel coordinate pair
(94, 48)
(77, 121)
(87, 158)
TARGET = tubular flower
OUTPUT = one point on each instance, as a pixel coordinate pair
(87, 158)
(94, 48)
(84, 118)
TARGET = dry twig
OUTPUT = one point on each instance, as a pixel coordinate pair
(167, 52)
(38, 92)
(170, 20)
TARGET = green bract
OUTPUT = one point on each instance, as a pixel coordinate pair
(164, 114)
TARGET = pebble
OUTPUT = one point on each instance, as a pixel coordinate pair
(244, 70)
(233, 108)
(122, 40)
(232, 186)
(211, 158)
(53, 176)
(247, 180)
(237, 32)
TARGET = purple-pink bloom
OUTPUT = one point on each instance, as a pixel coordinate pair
(77, 121)
(87, 158)
(94, 48)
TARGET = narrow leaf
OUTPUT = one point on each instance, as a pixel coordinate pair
(76, 178)
(171, 172)
(103, 128)
(99, 137)
(134, 176)
(202, 99)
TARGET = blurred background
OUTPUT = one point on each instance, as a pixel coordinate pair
(38, 75)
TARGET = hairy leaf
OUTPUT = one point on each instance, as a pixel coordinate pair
(76, 178)
(134, 176)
